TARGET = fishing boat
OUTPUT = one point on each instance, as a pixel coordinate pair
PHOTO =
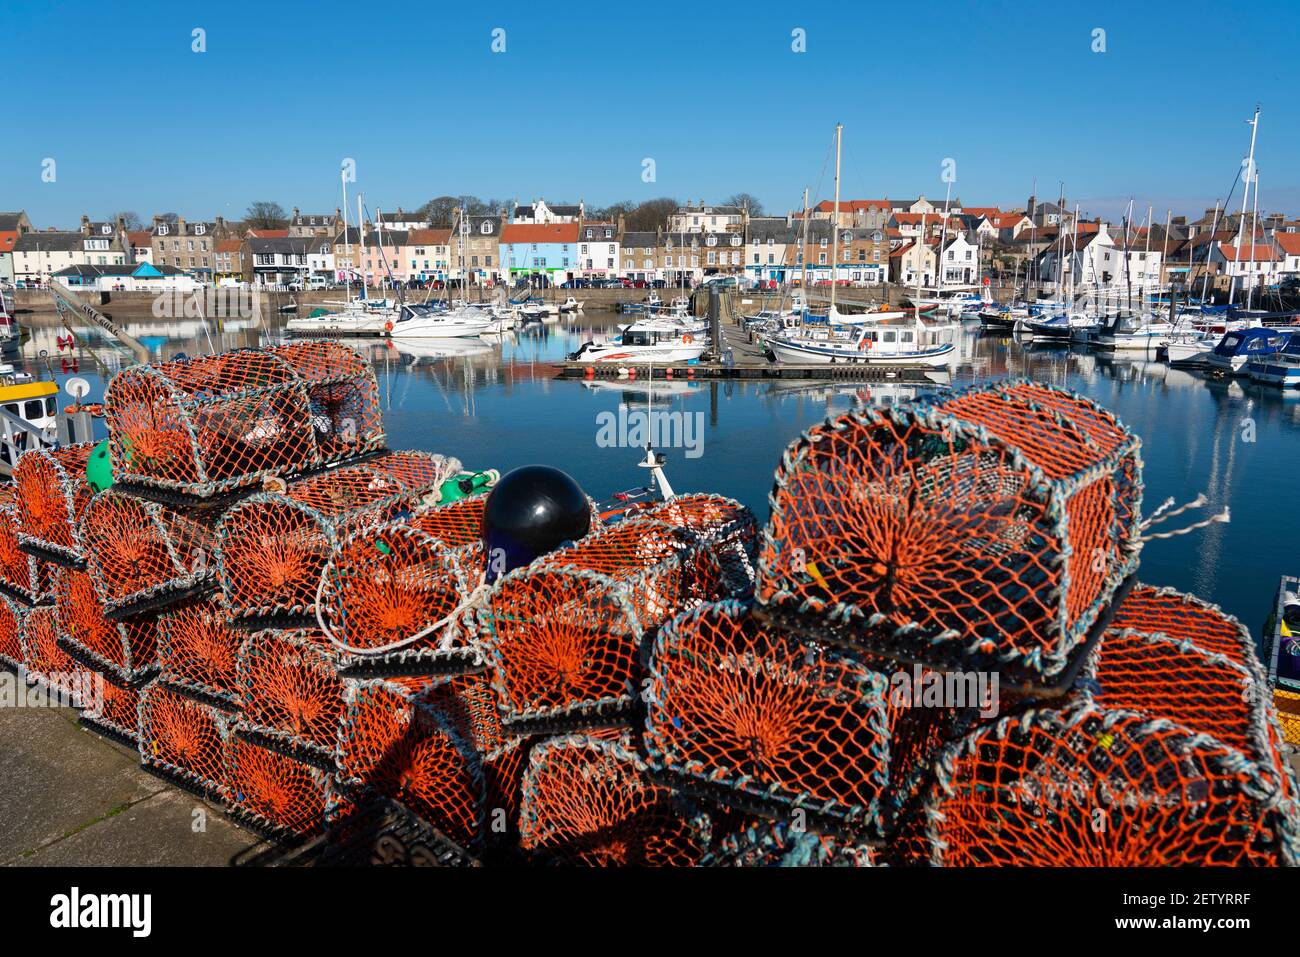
(30, 415)
(1242, 346)
(651, 340)
(876, 345)
(1280, 369)
(1191, 348)
(429, 321)
(1129, 332)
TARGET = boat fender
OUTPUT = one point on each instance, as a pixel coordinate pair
(531, 511)
(388, 326)
(688, 338)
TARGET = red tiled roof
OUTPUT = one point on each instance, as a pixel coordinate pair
(1263, 253)
(7, 238)
(851, 205)
(228, 245)
(1290, 243)
(139, 237)
(429, 237)
(547, 233)
(269, 233)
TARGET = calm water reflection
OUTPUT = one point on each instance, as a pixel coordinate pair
(494, 403)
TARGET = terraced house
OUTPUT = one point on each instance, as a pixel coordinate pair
(598, 249)
(38, 256)
(531, 251)
(427, 254)
(187, 245)
(476, 252)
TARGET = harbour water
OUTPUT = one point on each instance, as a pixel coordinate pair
(496, 404)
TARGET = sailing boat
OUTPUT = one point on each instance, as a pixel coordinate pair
(873, 342)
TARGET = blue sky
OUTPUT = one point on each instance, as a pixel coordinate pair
(713, 93)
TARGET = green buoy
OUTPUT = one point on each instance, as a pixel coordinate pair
(99, 468)
(466, 484)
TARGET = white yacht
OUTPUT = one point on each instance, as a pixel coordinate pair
(429, 321)
(650, 340)
(876, 345)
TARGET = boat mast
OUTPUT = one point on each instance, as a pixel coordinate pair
(1209, 251)
(835, 224)
(347, 240)
(361, 230)
(1246, 178)
(921, 246)
(803, 257)
(943, 241)
(1164, 249)
(1146, 263)
(1254, 224)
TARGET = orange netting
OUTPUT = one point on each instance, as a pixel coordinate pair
(117, 716)
(564, 634)
(456, 524)
(390, 595)
(143, 555)
(51, 498)
(744, 715)
(986, 531)
(184, 739)
(12, 617)
(1091, 787)
(45, 661)
(274, 546)
(291, 692)
(282, 798)
(396, 743)
(213, 424)
(198, 650)
(588, 801)
(19, 576)
(127, 649)
(1184, 617)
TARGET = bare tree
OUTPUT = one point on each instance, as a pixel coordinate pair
(130, 219)
(652, 214)
(746, 201)
(266, 215)
(168, 217)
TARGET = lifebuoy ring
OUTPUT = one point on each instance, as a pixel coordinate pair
(688, 338)
(388, 326)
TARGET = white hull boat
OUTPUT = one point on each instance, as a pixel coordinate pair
(430, 322)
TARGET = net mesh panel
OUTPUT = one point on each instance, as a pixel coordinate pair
(291, 692)
(396, 744)
(51, 498)
(12, 617)
(343, 396)
(564, 633)
(999, 521)
(741, 713)
(777, 844)
(589, 801)
(1091, 787)
(456, 524)
(390, 583)
(118, 717)
(274, 546)
(142, 553)
(199, 650)
(45, 660)
(127, 649)
(18, 570)
(1184, 617)
(184, 739)
(213, 424)
(1152, 660)
(280, 797)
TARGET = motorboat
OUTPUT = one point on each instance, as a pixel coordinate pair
(1280, 369)
(1241, 346)
(651, 340)
(429, 321)
(1128, 332)
(912, 344)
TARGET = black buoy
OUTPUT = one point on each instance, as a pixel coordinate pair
(529, 512)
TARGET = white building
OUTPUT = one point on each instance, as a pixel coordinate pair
(1251, 267)
(320, 256)
(706, 219)
(1288, 245)
(540, 214)
(598, 249)
(37, 256)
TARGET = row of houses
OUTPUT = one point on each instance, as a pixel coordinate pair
(869, 241)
